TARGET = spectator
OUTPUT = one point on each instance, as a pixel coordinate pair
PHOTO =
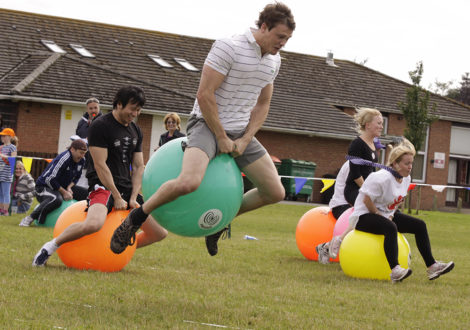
(22, 189)
(173, 126)
(58, 182)
(6, 150)
(93, 112)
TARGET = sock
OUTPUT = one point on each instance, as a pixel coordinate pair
(138, 216)
(51, 246)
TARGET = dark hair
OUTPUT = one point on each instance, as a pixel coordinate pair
(129, 94)
(274, 14)
(79, 144)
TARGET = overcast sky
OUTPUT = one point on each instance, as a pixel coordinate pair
(392, 36)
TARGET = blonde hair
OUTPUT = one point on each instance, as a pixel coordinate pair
(175, 117)
(364, 116)
(404, 147)
(19, 162)
(14, 140)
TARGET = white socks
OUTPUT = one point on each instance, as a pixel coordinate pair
(51, 246)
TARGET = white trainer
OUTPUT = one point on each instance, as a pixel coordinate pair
(439, 268)
(26, 222)
(323, 254)
(335, 243)
(44, 253)
(399, 273)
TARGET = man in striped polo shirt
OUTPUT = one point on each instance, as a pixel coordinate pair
(232, 104)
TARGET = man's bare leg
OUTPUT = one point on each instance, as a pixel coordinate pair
(95, 219)
(151, 232)
(268, 187)
(268, 190)
(194, 167)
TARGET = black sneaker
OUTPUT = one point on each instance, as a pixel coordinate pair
(123, 236)
(211, 240)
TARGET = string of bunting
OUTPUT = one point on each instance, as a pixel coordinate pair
(299, 181)
(27, 161)
(327, 183)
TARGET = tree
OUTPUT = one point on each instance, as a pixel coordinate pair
(415, 109)
(461, 94)
(464, 95)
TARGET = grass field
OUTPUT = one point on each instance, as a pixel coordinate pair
(250, 284)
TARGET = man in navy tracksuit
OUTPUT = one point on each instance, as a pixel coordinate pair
(57, 182)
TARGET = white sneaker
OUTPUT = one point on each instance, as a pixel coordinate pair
(323, 254)
(439, 268)
(399, 273)
(26, 222)
(44, 253)
(335, 243)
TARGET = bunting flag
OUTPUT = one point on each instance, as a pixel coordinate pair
(327, 183)
(438, 188)
(411, 186)
(299, 184)
(27, 161)
(48, 160)
(12, 161)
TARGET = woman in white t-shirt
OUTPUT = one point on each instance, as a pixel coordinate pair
(375, 211)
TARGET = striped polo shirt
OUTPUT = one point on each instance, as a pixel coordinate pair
(246, 74)
(5, 166)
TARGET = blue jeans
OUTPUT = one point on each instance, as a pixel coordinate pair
(5, 192)
(23, 208)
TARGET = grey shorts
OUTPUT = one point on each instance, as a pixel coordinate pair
(200, 136)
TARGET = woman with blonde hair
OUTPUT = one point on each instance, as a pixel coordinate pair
(369, 124)
(22, 190)
(173, 126)
(376, 212)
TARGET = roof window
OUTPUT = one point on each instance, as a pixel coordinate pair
(185, 64)
(81, 50)
(160, 61)
(52, 46)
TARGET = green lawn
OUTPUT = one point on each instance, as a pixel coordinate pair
(250, 284)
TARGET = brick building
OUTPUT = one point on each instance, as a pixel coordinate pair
(50, 65)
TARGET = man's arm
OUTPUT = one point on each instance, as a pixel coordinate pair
(210, 82)
(137, 173)
(100, 155)
(257, 118)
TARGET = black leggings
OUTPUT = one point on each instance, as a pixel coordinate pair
(377, 224)
(338, 210)
(50, 199)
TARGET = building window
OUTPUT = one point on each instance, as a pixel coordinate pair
(418, 174)
(81, 50)
(52, 46)
(160, 61)
(8, 114)
(185, 64)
